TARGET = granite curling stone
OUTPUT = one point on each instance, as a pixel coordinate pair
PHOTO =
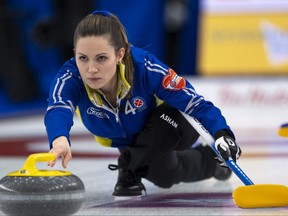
(30, 191)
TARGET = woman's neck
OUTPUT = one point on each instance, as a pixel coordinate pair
(110, 91)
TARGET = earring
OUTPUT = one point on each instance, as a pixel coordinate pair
(119, 61)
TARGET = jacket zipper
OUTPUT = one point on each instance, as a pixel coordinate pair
(115, 111)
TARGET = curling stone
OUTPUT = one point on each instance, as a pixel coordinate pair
(30, 191)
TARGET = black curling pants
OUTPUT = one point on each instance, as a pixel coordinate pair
(162, 152)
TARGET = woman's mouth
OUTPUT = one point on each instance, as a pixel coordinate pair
(93, 79)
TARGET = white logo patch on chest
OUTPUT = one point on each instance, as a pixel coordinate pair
(97, 113)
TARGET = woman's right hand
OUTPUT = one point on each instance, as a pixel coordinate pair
(61, 148)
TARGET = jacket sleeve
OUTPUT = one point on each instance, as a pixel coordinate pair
(179, 93)
(63, 98)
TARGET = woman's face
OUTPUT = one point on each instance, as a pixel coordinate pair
(97, 62)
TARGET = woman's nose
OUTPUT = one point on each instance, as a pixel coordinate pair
(92, 67)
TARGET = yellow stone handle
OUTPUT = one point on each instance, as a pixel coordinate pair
(31, 161)
(30, 169)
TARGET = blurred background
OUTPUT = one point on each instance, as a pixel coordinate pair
(234, 52)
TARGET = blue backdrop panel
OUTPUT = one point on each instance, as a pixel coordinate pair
(42, 61)
(143, 21)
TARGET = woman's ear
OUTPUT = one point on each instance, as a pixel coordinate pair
(121, 54)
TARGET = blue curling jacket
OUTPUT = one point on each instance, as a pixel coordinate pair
(118, 127)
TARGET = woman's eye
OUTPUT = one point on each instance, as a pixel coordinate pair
(101, 58)
(83, 58)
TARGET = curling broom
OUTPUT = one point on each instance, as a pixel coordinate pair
(250, 195)
(283, 130)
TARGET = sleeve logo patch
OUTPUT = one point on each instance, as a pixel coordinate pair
(173, 82)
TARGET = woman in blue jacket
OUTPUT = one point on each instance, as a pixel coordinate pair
(130, 100)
